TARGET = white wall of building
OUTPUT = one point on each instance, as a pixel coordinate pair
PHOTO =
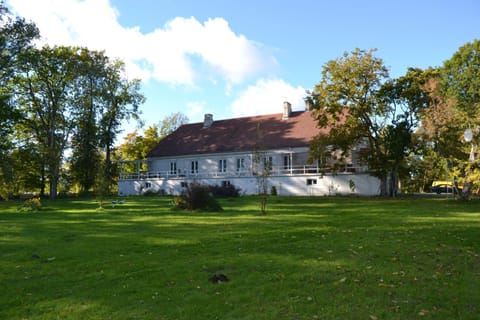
(295, 185)
(160, 179)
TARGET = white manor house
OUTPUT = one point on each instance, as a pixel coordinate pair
(227, 152)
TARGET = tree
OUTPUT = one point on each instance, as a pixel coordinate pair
(262, 166)
(436, 136)
(461, 80)
(358, 102)
(347, 102)
(85, 141)
(104, 100)
(137, 146)
(16, 36)
(172, 123)
(119, 100)
(26, 168)
(406, 100)
(455, 107)
(45, 93)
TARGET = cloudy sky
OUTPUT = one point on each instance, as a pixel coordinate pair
(242, 57)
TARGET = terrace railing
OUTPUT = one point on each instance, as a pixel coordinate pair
(275, 171)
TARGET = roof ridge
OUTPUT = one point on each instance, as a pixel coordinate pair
(253, 116)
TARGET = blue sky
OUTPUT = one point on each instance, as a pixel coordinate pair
(243, 57)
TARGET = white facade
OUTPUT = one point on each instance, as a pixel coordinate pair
(289, 173)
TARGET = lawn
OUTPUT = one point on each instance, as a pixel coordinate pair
(307, 258)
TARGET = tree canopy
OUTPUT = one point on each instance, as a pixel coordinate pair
(454, 107)
(412, 126)
(62, 109)
(54, 100)
(361, 105)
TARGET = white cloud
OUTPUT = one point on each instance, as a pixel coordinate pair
(167, 54)
(195, 111)
(266, 97)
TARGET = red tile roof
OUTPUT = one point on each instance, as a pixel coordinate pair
(239, 134)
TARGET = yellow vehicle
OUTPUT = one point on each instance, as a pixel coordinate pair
(444, 187)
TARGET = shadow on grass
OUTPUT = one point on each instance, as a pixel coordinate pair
(308, 257)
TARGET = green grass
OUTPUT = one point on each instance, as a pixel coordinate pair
(308, 258)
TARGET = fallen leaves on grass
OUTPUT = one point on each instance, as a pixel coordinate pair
(423, 312)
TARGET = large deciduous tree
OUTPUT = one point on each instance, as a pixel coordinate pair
(85, 141)
(406, 99)
(16, 36)
(120, 100)
(359, 103)
(74, 98)
(45, 91)
(455, 107)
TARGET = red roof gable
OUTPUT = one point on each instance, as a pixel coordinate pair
(239, 134)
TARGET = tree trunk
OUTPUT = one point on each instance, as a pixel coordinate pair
(53, 188)
(53, 181)
(394, 181)
(44, 181)
(383, 186)
(465, 193)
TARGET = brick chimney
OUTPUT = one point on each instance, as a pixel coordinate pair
(287, 110)
(208, 120)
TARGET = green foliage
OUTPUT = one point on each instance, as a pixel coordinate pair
(262, 170)
(273, 191)
(16, 36)
(461, 84)
(102, 183)
(32, 204)
(46, 92)
(136, 146)
(425, 167)
(359, 104)
(197, 196)
(309, 258)
(454, 93)
(171, 123)
(461, 80)
(351, 185)
(224, 191)
(73, 98)
(348, 103)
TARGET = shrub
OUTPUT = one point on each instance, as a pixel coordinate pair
(273, 191)
(151, 193)
(197, 197)
(32, 204)
(225, 191)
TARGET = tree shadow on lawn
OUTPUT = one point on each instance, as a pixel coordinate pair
(120, 264)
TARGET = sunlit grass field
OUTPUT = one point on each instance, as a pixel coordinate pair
(307, 258)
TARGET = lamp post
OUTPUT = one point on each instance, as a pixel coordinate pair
(468, 137)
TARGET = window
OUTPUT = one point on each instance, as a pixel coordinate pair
(222, 165)
(148, 185)
(311, 182)
(183, 184)
(173, 167)
(194, 169)
(287, 162)
(240, 164)
(268, 163)
(226, 183)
